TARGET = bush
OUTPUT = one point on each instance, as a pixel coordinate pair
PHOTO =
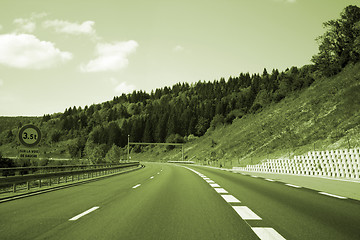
(6, 162)
(256, 107)
(174, 138)
(113, 155)
(217, 121)
(234, 114)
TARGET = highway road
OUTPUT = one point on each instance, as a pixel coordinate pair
(167, 201)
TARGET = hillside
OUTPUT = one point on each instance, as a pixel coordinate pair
(241, 120)
(323, 116)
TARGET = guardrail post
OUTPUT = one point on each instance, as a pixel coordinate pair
(14, 187)
(28, 185)
(49, 181)
(66, 179)
(39, 183)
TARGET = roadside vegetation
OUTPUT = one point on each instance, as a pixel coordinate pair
(237, 121)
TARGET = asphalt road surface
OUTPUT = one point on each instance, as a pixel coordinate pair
(167, 201)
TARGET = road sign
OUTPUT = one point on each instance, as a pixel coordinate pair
(29, 153)
(29, 135)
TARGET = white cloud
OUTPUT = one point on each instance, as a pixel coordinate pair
(35, 15)
(1, 82)
(25, 25)
(1, 27)
(110, 56)
(178, 48)
(28, 25)
(124, 88)
(61, 26)
(27, 51)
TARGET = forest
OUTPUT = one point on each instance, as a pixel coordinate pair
(186, 111)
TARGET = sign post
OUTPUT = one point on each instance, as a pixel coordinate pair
(29, 137)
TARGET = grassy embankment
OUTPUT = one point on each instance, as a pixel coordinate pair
(324, 116)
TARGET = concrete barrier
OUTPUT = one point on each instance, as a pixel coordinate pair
(341, 163)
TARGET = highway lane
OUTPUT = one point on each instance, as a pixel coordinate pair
(165, 201)
(161, 201)
(295, 213)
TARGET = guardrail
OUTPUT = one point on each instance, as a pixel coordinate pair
(5, 172)
(185, 162)
(36, 177)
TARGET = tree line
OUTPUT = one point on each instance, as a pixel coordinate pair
(170, 114)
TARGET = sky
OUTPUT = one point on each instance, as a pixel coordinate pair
(63, 53)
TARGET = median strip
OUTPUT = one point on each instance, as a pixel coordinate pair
(83, 214)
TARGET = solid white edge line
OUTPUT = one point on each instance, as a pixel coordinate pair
(332, 195)
(136, 186)
(291, 185)
(265, 233)
(83, 214)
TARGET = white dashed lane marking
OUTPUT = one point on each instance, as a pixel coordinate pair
(267, 233)
(136, 186)
(270, 180)
(292, 185)
(332, 195)
(83, 214)
(152, 177)
(246, 213)
(214, 185)
(230, 199)
(220, 190)
(264, 233)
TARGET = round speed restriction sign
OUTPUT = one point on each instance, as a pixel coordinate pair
(29, 135)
